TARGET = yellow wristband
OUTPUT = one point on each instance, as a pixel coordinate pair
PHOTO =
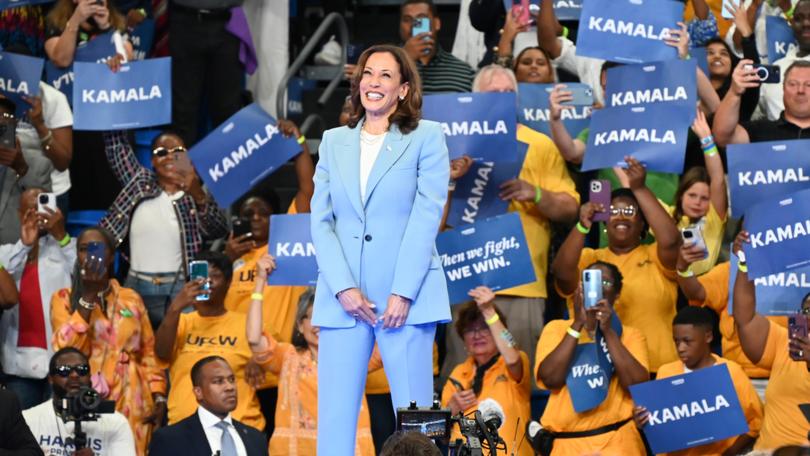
(491, 320)
(302, 139)
(743, 267)
(257, 297)
(686, 274)
(573, 333)
(581, 228)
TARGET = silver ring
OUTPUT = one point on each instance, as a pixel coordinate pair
(82, 272)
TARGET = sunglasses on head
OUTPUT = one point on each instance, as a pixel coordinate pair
(161, 152)
(627, 211)
(81, 370)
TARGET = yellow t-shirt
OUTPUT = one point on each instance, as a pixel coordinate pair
(543, 167)
(647, 300)
(198, 337)
(559, 415)
(789, 386)
(747, 395)
(514, 396)
(713, 229)
(715, 283)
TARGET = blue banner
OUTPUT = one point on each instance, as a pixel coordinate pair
(98, 50)
(492, 252)
(779, 231)
(654, 134)
(290, 243)
(690, 410)
(778, 294)
(780, 37)
(700, 56)
(242, 151)
(564, 10)
(141, 38)
(476, 194)
(588, 379)
(672, 82)
(139, 95)
(533, 109)
(481, 125)
(764, 170)
(19, 77)
(629, 31)
(5, 4)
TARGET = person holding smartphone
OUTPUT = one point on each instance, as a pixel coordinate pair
(110, 325)
(786, 352)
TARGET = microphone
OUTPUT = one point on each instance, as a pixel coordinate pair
(493, 417)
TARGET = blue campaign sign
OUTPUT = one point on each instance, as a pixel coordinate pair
(533, 108)
(98, 50)
(491, 252)
(779, 230)
(565, 10)
(476, 194)
(141, 38)
(481, 125)
(672, 82)
(241, 152)
(654, 134)
(780, 37)
(290, 243)
(629, 31)
(588, 378)
(778, 294)
(19, 77)
(700, 56)
(139, 95)
(690, 410)
(6, 4)
(764, 170)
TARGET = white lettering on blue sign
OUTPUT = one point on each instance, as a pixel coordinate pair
(480, 184)
(781, 233)
(8, 85)
(544, 115)
(474, 127)
(293, 249)
(620, 27)
(631, 97)
(783, 47)
(66, 78)
(120, 95)
(634, 135)
(784, 279)
(242, 153)
(687, 410)
(772, 176)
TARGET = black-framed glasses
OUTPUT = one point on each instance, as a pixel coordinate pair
(805, 311)
(64, 370)
(607, 284)
(627, 211)
(161, 152)
(476, 330)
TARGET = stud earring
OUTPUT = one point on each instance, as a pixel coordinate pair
(401, 97)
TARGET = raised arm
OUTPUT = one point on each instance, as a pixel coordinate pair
(255, 320)
(689, 283)
(752, 327)
(553, 369)
(547, 26)
(62, 49)
(726, 127)
(572, 150)
(714, 165)
(304, 168)
(484, 298)
(120, 156)
(566, 264)
(167, 332)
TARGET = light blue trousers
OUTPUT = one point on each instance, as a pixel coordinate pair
(343, 355)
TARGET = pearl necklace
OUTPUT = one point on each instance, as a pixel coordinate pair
(370, 139)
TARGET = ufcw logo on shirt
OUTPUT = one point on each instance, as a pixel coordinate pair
(202, 341)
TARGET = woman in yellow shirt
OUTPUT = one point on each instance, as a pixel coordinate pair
(650, 291)
(297, 370)
(494, 369)
(607, 428)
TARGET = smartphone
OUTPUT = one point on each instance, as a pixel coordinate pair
(725, 12)
(8, 135)
(693, 235)
(797, 325)
(46, 200)
(767, 74)
(420, 25)
(182, 163)
(591, 287)
(600, 194)
(241, 226)
(521, 12)
(197, 270)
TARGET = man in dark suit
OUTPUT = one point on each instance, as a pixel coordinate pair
(15, 437)
(210, 431)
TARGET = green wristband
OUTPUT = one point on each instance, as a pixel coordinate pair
(581, 228)
(537, 195)
(65, 241)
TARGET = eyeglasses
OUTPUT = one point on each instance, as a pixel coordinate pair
(64, 370)
(627, 211)
(607, 284)
(477, 331)
(805, 311)
(161, 152)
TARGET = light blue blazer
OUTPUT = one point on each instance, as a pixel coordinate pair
(387, 244)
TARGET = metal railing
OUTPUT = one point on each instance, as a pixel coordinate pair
(343, 38)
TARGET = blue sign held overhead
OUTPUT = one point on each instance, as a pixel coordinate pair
(141, 38)
(654, 134)
(139, 95)
(290, 243)
(481, 125)
(779, 234)
(780, 37)
(492, 252)
(690, 410)
(98, 50)
(628, 31)
(19, 77)
(241, 152)
(778, 295)
(533, 108)
(672, 82)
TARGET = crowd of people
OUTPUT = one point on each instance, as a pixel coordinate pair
(230, 365)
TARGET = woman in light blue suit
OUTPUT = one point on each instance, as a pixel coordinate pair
(380, 188)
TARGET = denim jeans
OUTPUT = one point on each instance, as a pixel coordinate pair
(156, 297)
(30, 391)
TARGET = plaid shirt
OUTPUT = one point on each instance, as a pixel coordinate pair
(197, 222)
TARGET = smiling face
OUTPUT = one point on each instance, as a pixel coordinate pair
(532, 66)
(380, 85)
(165, 164)
(624, 230)
(309, 332)
(719, 60)
(695, 200)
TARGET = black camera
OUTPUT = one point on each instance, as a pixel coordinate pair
(435, 422)
(86, 405)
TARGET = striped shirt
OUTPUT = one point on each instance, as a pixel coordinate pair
(445, 73)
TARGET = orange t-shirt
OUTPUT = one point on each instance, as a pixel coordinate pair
(747, 395)
(560, 416)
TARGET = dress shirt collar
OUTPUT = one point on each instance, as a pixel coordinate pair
(209, 420)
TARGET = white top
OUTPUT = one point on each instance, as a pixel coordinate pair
(370, 146)
(587, 68)
(771, 101)
(154, 235)
(109, 436)
(214, 434)
(760, 29)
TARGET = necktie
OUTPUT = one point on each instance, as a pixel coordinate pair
(228, 446)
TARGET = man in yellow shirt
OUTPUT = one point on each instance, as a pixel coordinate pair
(692, 333)
(185, 338)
